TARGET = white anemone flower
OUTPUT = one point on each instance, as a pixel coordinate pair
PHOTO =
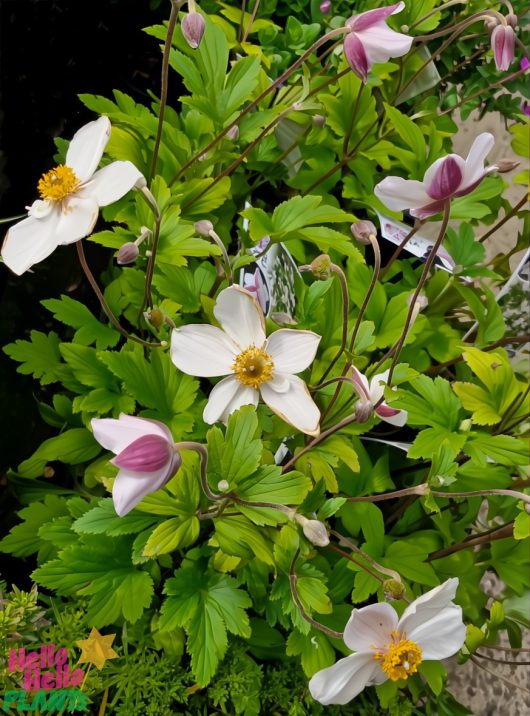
(255, 365)
(71, 195)
(388, 647)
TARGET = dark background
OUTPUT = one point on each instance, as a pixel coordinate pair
(51, 51)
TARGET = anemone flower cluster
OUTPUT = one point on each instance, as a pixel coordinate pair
(145, 453)
(449, 177)
(71, 195)
(254, 364)
(390, 647)
(370, 41)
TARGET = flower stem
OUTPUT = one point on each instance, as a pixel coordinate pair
(422, 489)
(400, 248)
(318, 439)
(513, 211)
(226, 259)
(175, 6)
(479, 493)
(421, 283)
(433, 12)
(203, 455)
(483, 91)
(339, 273)
(345, 542)
(296, 599)
(251, 21)
(103, 301)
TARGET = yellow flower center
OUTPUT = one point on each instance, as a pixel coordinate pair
(253, 367)
(58, 183)
(400, 659)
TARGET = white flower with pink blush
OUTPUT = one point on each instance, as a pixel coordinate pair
(390, 647)
(145, 453)
(449, 177)
(254, 364)
(71, 195)
(370, 40)
(373, 391)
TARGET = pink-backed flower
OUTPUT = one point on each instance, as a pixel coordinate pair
(370, 40)
(71, 195)
(254, 364)
(447, 178)
(145, 453)
(255, 285)
(373, 391)
(388, 647)
(503, 46)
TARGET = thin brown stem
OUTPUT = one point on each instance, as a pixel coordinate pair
(317, 440)
(502, 661)
(251, 21)
(103, 301)
(507, 340)
(400, 248)
(490, 536)
(345, 542)
(339, 273)
(513, 211)
(422, 489)
(483, 91)
(356, 562)
(496, 675)
(203, 456)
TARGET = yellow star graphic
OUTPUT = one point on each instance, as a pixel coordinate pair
(96, 649)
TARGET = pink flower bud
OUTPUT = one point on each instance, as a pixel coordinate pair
(319, 120)
(503, 46)
(511, 19)
(316, 533)
(325, 7)
(362, 230)
(506, 165)
(127, 254)
(146, 454)
(233, 133)
(525, 63)
(203, 227)
(193, 27)
(363, 411)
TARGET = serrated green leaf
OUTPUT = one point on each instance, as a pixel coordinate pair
(104, 520)
(71, 447)
(89, 329)
(39, 356)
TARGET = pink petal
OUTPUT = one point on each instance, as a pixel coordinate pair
(367, 19)
(503, 46)
(435, 207)
(370, 627)
(398, 193)
(116, 435)
(391, 415)
(442, 180)
(146, 454)
(356, 56)
(474, 170)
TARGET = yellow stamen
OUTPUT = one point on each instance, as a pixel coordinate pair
(253, 367)
(58, 183)
(400, 658)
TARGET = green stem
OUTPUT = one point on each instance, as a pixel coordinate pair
(317, 440)
(436, 9)
(345, 542)
(513, 211)
(203, 456)
(251, 21)
(339, 273)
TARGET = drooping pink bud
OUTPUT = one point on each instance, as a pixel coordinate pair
(193, 27)
(325, 7)
(362, 230)
(127, 254)
(503, 46)
(233, 133)
(319, 120)
(146, 454)
(525, 63)
(203, 227)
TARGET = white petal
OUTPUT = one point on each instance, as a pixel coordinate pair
(112, 182)
(228, 395)
(240, 316)
(442, 635)
(77, 217)
(399, 419)
(86, 148)
(370, 627)
(377, 386)
(398, 193)
(428, 605)
(361, 380)
(295, 405)
(29, 241)
(115, 435)
(342, 682)
(474, 166)
(130, 488)
(381, 43)
(202, 350)
(292, 351)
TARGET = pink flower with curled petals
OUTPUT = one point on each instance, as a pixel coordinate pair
(373, 391)
(388, 647)
(145, 453)
(370, 40)
(254, 364)
(447, 178)
(71, 195)
(503, 46)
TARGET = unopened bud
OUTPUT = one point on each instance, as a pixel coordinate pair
(48, 472)
(362, 230)
(233, 133)
(193, 27)
(363, 411)
(282, 319)
(511, 19)
(393, 589)
(155, 317)
(203, 227)
(140, 183)
(321, 267)
(127, 254)
(465, 426)
(506, 165)
(319, 120)
(223, 485)
(525, 63)
(314, 530)
(325, 7)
